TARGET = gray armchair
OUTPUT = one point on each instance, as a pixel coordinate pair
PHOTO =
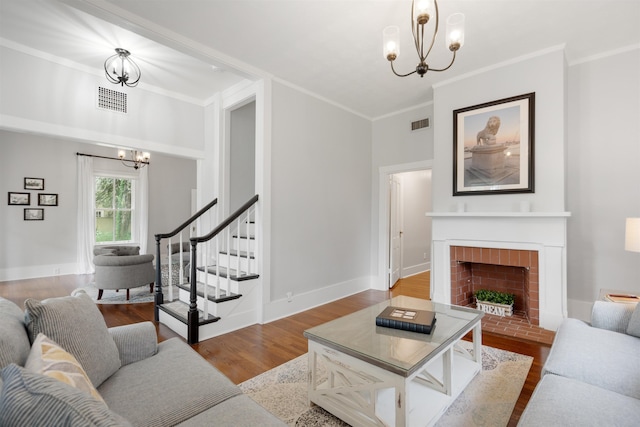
(122, 267)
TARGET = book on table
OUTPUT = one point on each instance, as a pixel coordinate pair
(407, 319)
(622, 298)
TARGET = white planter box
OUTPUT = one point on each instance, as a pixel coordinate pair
(493, 308)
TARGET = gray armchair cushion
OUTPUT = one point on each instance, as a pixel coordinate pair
(634, 323)
(73, 322)
(32, 399)
(122, 260)
(135, 342)
(123, 272)
(116, 250)
(14, 341)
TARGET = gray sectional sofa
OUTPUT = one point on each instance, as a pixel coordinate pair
(592, 374)
(141, 382)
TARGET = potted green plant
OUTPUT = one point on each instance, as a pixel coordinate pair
(494, 302)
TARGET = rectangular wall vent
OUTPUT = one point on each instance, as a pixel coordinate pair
(420, 124)
(112, 100)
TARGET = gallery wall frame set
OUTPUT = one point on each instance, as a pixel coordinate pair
(493, 147)
(24, 199)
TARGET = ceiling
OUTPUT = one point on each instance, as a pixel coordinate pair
(331, 48)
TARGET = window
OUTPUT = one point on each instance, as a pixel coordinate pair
(114, 209)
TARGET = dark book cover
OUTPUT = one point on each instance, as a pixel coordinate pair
(407, 319)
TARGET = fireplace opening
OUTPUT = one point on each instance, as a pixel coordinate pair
(504, 270)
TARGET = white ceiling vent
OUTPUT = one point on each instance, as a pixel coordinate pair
(112, 100)
(420, 124)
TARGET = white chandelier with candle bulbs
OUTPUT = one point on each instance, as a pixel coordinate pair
(422, 11)
(139, 159)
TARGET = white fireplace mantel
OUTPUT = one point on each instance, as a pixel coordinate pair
(539, 231)
(499, 214)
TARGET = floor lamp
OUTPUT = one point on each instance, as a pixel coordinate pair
(632, 235)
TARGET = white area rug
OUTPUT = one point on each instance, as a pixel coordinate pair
(487, 401)
(109, 296)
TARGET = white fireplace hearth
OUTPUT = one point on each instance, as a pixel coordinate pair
(541, 232)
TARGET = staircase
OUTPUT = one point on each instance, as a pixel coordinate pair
(217, 289)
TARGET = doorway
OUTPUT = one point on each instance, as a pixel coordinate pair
(404, 230)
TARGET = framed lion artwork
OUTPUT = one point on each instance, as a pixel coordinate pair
(493, 147)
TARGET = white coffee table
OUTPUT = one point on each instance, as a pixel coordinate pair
(369, 375)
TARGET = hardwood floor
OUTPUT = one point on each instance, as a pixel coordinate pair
(251, 351)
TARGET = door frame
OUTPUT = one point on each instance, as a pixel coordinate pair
(383, 215)
(395, 206)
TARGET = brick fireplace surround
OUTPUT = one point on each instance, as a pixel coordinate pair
(506, 270)
(517, 241)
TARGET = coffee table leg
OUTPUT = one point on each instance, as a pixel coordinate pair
(477, 343)
(447, 361)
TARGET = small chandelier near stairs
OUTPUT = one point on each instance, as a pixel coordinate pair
(421, 12)
(139, 159)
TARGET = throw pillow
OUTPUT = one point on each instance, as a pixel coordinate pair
(31, 399)
(634, 323)
(49, 359)
(76, 324)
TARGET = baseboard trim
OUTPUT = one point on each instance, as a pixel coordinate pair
(300, 302)
(415, 269)
(37, 271)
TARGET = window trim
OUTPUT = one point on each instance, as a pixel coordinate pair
(135, 183)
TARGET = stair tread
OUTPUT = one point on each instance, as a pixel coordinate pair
(241, 254)
(233, 275)
(224, 296)
(180, 310)
(243, 236)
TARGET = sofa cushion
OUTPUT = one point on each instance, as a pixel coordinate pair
(596, 356)
(76, 324)
(238, 411)
(559, 401)
(51, 360)
(14, 341)
(31, 399)
(172, 386)
(634, 323)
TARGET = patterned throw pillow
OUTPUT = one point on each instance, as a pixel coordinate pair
(48, 358)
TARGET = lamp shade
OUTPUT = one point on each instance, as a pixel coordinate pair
(455, 31)
(391, 42)
(632, 235)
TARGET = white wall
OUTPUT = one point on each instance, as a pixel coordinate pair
(49, 98)
(603, 174)
(543, 74)
(320, 200)
(394, 145)
(46, 248)
(416, 227)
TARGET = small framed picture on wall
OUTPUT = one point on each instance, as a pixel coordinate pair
(34, 183)
(19, 198)
(34, 214)
(47, 199)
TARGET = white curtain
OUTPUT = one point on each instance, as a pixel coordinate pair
(86, 220)
(143, 210)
